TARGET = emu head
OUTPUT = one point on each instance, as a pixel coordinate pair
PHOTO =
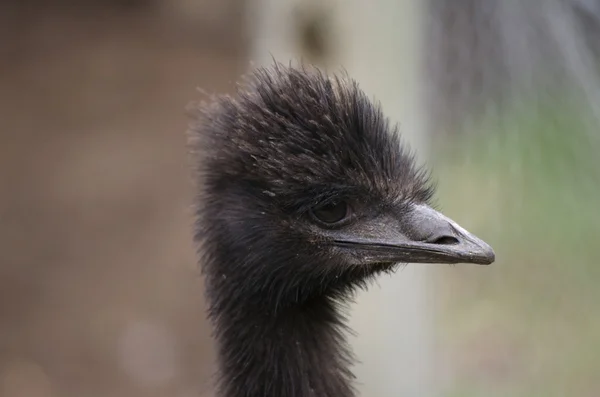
(307, 190)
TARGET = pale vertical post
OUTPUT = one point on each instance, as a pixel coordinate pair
(378, 43)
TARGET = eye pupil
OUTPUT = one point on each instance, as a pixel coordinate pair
(332, 213)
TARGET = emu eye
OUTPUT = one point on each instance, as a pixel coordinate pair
(332, 213)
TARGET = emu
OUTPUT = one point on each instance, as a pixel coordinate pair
(305, 193)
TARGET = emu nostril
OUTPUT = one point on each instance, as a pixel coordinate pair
(444, 240)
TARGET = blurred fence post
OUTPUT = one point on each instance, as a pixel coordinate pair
(378, 43)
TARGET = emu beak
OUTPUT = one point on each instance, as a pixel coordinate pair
(438, 239)
(424, 235)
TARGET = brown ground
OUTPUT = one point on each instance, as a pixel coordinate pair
(99, 290)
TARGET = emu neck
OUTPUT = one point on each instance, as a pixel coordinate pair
(298, 352)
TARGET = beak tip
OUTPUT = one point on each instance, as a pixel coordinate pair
(486, 256)
(489, 259)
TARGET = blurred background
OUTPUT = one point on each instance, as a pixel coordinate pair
(100, 294)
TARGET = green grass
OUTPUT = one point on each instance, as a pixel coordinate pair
(529, 325)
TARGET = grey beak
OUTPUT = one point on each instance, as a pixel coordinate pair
(423, 236)
(441, 240)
